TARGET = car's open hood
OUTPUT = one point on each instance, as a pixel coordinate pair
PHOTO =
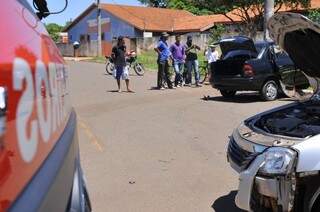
(236, 43)
(300, 38)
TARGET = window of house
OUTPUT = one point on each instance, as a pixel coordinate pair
(103, 36)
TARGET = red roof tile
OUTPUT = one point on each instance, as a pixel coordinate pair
(147, 18)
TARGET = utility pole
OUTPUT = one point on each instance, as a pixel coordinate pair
(268, 13)
(99, 28)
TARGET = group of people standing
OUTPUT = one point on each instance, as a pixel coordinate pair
(180, 55)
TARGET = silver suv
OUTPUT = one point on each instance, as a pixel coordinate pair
(277, 153)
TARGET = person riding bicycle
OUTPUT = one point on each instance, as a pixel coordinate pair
(178, 55)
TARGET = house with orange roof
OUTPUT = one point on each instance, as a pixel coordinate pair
(135, 22)
(138, 22)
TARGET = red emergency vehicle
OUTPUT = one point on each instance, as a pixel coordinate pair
(39, 153)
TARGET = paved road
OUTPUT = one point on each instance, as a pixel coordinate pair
(156, 150)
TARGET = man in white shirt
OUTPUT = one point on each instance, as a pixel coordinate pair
(212, 56)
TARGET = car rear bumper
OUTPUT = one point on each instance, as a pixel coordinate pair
(59, 183)
(236, 83)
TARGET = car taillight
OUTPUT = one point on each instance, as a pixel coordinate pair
(248, 70)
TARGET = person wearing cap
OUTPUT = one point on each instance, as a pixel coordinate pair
(164, 55)
(119, 57)
(178, 55)
(192, 62)
(212, 56)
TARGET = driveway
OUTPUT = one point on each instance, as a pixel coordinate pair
(156, 150)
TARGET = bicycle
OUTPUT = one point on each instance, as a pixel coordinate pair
(131, 63)
(204, 72)
(109, 65)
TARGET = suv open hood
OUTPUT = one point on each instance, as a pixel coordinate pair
(300, 38)
(237, 43)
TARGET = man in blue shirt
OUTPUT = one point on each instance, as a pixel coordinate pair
(164, 55)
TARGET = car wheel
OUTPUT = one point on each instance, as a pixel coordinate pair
(227, 93)
(269, 91)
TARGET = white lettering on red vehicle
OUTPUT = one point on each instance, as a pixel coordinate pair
(45, 94)
(28, 145)
(44, 123)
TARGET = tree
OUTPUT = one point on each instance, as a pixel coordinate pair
(249, 12)
(155, 3)
(188, 6)
(54, 30)
(177, 4)
(314, 15)
(216, 32)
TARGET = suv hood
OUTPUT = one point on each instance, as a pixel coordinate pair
(300, 38)
(237, 43)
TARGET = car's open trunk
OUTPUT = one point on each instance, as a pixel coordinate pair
(229, 67)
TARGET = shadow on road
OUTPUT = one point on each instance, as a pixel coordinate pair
(226, 203)
(240, 98)
(113, 91)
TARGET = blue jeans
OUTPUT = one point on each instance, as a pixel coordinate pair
(193, 65)
(178, 68)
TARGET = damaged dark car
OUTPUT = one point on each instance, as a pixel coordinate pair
(248, 66)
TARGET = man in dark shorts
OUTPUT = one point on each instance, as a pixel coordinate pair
(119, 57)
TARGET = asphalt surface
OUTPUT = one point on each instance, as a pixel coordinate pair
(156, 150)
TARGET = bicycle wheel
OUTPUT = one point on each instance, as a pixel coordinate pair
(109, 68)
(139, 69)
(203, 74)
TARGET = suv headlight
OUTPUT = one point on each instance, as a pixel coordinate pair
(278, 161)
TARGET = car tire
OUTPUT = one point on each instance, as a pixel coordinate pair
(227, 93)
(270, 90)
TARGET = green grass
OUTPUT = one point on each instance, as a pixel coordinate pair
(148, 59)
(100, 59)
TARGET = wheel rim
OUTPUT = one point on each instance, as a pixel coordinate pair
(271, 91)
(139, 69)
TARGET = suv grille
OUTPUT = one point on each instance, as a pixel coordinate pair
(239, 156)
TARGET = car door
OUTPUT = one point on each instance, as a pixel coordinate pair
(289, 75)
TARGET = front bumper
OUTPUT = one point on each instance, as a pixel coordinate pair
(256, 191)
(246, 183)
